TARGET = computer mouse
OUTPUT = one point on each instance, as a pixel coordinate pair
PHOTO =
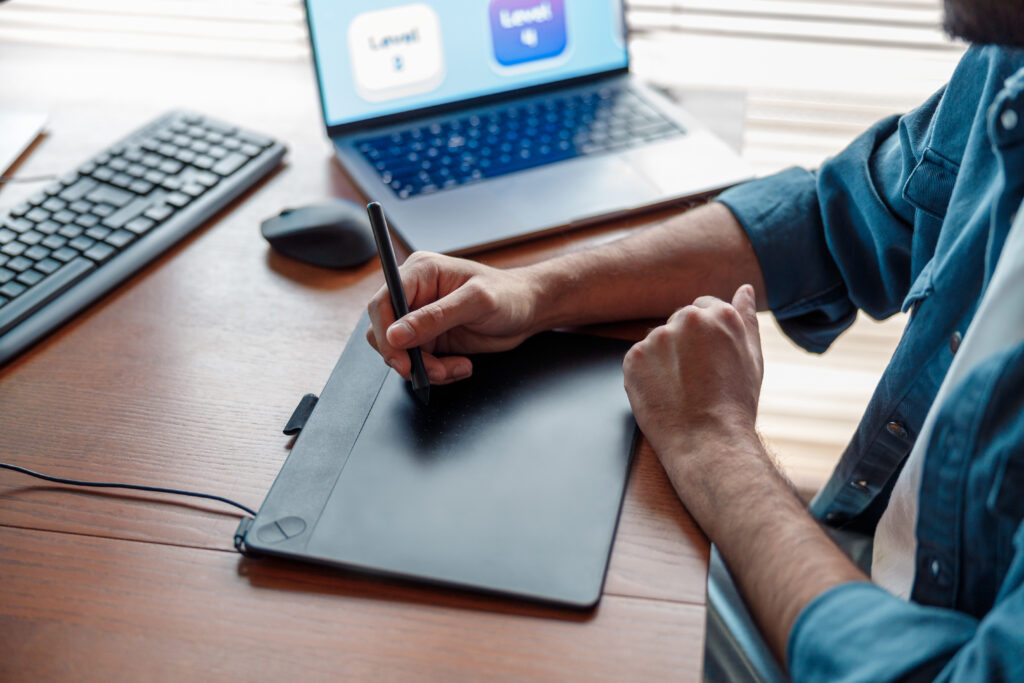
(335, 234)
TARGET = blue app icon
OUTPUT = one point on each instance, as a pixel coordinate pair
(527, 30)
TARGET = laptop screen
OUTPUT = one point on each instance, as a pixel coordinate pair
(379, 58)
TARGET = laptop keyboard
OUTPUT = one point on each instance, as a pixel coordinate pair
(465, 149)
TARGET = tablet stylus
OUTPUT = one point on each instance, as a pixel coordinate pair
(420, 383)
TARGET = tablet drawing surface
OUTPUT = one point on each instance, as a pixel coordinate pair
(510, 481)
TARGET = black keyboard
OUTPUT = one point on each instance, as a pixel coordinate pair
(465, 149)
(85, 233)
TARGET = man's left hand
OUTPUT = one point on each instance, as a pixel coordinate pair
(697, 378)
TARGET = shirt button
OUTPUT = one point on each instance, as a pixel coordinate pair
(954, 341)
(896, 429)
(935, 568)
(860, 484)
(1009, 119)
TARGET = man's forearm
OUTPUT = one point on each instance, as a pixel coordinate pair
(778, 555)
(651, 273)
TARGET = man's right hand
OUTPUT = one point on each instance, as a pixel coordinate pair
(456, 307)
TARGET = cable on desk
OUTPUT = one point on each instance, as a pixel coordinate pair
(114, 485)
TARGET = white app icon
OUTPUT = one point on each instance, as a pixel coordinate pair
(396, 51)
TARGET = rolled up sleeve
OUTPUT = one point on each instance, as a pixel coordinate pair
(860, 632)
(837, 240)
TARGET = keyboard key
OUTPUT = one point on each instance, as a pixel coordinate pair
(54, 241)
(97, 233)
(122, 180)
(78, 190)
(140, 225)
(254, 139)
(185, 156)
(81, 206)
(103, 210)
(53, 204)
(100, 252)
(134, 208)
(13, 248)
(47, 266)
(30, 277)
(193, 189)
(206, 179)
(81, 243)
(86, 220)
(119, 165)
(48, 288)
(170, 166)
(7, 235)
(119, 239)
(204, 162)
(173, 184)
(6, 276)
(177, 199)
(37, 215)
(71, 231)
(19, 264)
(10, 290)
(103, 174)
(37, 252)
(20, 210)
(64, 254)
(219, 128)
(48, 227)
(158, 213)
(18, 224)
(104, 194)
(141, 187)
(229, 164)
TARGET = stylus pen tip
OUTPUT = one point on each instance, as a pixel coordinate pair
(423, 394)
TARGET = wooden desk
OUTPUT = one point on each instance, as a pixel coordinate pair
(185, 376)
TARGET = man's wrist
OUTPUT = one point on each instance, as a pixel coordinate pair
(709, 468)
(550, 285)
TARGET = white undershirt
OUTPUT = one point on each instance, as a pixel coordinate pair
(998, 325)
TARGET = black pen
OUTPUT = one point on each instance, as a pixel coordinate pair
(420, 383)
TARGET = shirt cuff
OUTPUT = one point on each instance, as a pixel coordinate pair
(805, 289)
(859, 632)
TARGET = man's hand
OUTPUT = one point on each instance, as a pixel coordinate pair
(698, 376)
(456, 307)
(694, 385)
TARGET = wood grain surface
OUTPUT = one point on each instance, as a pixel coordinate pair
(184, 377)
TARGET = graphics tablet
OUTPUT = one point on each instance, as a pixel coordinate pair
(509, 482)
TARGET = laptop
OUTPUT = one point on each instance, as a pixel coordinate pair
(481, 123)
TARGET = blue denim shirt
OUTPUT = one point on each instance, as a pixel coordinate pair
(912, 216)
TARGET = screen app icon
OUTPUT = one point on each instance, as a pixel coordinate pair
(396, 51)
(527, 30)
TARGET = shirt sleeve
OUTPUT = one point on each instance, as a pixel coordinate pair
(838, 239)
(860, 632)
